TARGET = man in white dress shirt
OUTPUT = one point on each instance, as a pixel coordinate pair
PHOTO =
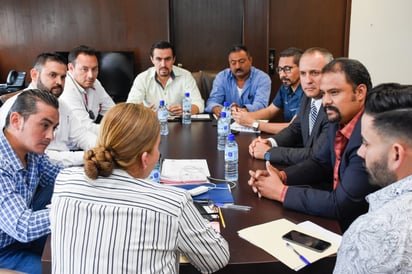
(49, 74)
(84, 94)
(380, 241)
(165, 81)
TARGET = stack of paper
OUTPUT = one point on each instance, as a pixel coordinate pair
(182, 171)
(268, 236)
(237, 127)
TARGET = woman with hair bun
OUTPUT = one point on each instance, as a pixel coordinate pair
(106, 218)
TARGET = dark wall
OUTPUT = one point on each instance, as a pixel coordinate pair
(30, 27)
(202, 30)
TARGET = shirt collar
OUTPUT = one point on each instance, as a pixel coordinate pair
(389, 193)
(171, 78)
(349, 127)
(8, 153)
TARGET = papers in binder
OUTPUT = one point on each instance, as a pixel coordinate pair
(184, 171)
(268, 236)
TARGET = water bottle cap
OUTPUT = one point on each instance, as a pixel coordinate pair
(231, 137)
(187, 94)
(225, 104)
(162, 102)
(223, 114)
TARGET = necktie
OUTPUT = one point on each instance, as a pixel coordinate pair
(312, 116)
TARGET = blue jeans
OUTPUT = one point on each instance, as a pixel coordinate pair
(26, 257)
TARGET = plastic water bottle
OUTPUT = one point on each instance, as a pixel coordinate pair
(226, 108)
(162, 115)
(187, 109)
(154, 175)
(231, 159)
(223, 129)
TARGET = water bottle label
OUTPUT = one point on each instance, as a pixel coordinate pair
(154, 175)
(221, 128)
(162, 115)
(231, 155)
(187, 106)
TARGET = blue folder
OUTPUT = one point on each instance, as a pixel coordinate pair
(218, 193)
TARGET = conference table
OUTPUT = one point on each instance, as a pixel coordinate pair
(199, 141)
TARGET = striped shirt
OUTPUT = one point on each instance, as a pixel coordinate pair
(18, 222)
(121, 224)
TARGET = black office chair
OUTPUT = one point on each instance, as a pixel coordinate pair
(116, 74)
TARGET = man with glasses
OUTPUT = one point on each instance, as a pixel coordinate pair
(243, 86)
(83, 93)
(287, 98)
(308, 131)
(165, 81)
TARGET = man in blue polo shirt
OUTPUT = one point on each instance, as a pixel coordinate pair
(288, 97)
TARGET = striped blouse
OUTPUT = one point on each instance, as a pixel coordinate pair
(120, 224)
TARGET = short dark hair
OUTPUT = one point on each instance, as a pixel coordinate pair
(390, 106)
(42, 58)
(239, 47)
(162, 45)
(26, 103)
(355, 72)
(388, 96)
(82, 49)
(296, 53)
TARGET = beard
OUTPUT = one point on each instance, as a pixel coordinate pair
(335, 118)
(56, 90)
(379, 173)
(286, 81)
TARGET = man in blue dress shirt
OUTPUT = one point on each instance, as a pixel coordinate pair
(27, 179)
(241, 85)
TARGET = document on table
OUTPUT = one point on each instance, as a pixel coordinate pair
(268, 236)
(237, 127)
(184, 171)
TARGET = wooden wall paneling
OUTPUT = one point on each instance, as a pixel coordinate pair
(50, 25)
(307, 24)
(203, 31)
(256, 31)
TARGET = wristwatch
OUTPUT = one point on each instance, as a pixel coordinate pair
(255, 125)
(267, 156)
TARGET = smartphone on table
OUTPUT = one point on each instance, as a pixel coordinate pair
(306, 240)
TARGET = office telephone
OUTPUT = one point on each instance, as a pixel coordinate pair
(16, 79)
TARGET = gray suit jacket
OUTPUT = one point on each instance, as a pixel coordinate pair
(294, 142)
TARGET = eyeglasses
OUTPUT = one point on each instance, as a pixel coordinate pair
(285, 69)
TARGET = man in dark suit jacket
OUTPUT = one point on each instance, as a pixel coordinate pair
(296, 143)
(344, 85)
